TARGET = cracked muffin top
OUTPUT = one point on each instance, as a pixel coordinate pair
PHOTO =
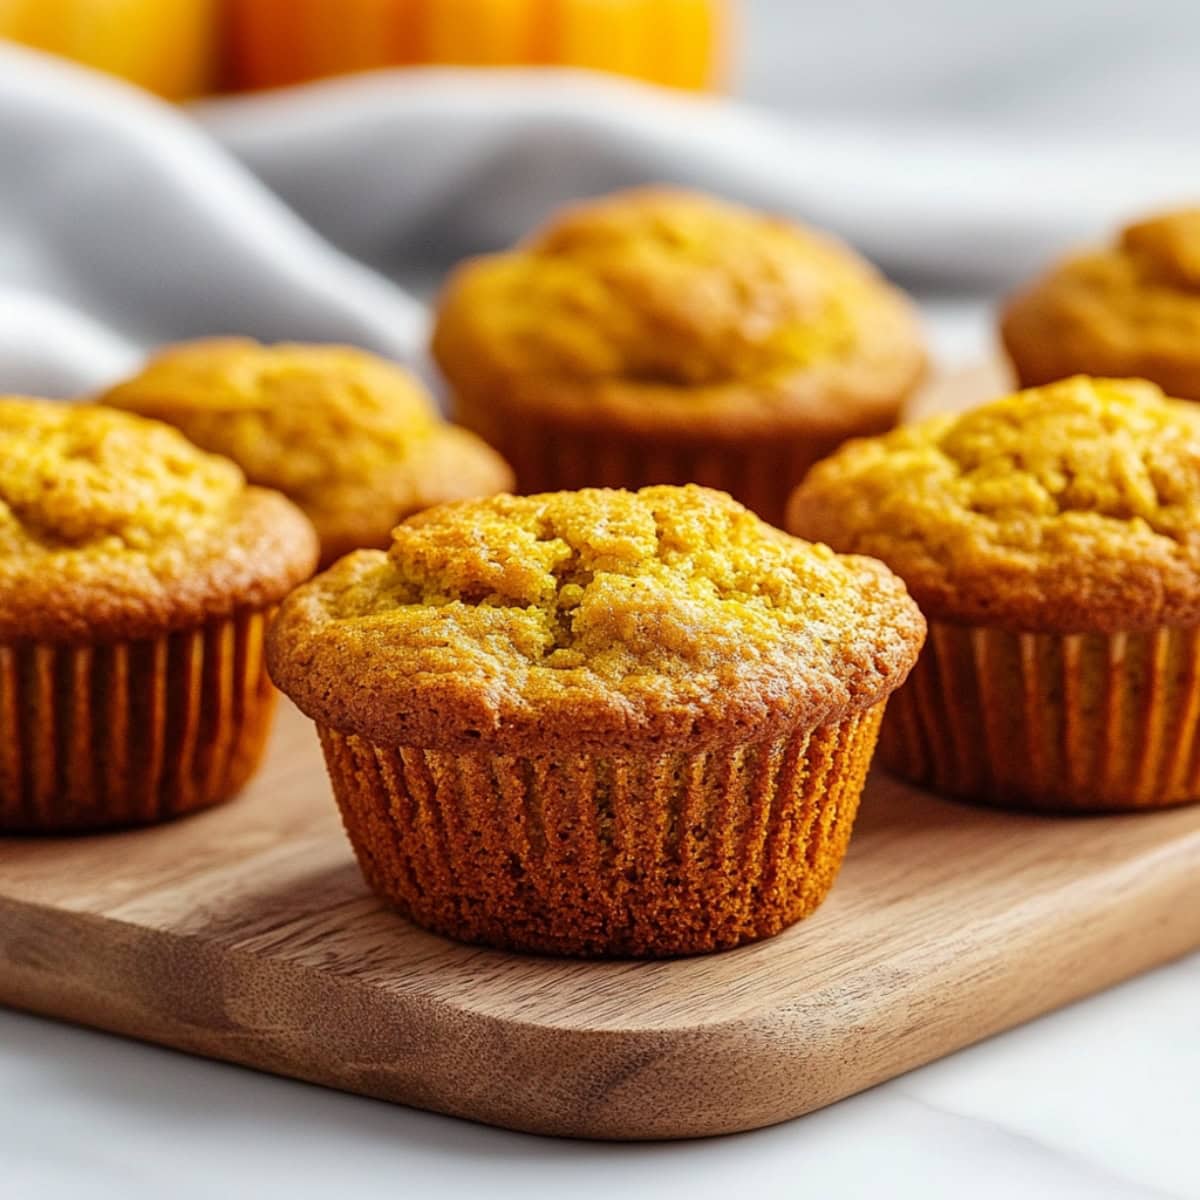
(1132, 309)
(597, 617)
(665, 308)
(1073, 507)
(114, 526)
(351, 438)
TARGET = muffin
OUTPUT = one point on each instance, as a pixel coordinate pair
(1052, 538)
(1129, 310)
(666, 337)
(598, 723)
(351, 438)
(136, 576)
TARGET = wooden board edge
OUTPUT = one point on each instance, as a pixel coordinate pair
(651, 1084)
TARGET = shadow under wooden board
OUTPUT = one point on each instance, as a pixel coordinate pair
(246, 934)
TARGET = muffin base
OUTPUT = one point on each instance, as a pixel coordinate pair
(130, 733)
(1051, 722)
(759, 473)
(602, 856)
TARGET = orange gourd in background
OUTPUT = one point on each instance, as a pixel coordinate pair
(168, 46)
(184, 48)
(677, 42)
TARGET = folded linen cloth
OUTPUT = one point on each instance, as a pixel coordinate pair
(123, 224)
(321, 212)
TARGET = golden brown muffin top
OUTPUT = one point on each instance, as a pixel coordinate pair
(1130, 309)
(669, 307)
(666, 617)
(114, 527)
(1073, 507)
(350, 437)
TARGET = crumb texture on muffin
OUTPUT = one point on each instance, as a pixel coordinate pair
(594, 616)
(352, 438)
(660, 305)
(115, 526)
(658, 289)
(291, 416)
(1074, 507)
(1128, 309)
(80, 477)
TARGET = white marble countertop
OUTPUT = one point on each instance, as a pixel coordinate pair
(1098, 1102)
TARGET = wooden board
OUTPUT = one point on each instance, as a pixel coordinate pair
(247, 934)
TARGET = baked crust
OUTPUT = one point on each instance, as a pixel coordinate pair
(1070, 508)
(670, 618)
(1132, 309)
(667, 313)
(113, 528)
(351, 438)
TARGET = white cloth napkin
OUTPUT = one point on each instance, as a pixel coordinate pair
(123, 224)
(317, 213)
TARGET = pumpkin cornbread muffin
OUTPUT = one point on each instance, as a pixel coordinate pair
(598, 723)
(136, 577)
(1053, 540)
(351, 438)
(660, 336)
(1130, 309)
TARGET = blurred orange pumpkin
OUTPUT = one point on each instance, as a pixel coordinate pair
(168, 46)
(184, 48)
(676, 42)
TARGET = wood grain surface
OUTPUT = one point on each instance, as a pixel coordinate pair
(246, 934)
